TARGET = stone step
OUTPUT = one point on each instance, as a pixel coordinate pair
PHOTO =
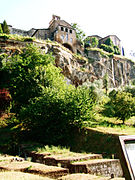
(63, 161)
(99, 167)
(34, 168)
(82, 176)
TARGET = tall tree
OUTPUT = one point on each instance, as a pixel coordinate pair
(1, 31)
(80, 35)
(5, 27)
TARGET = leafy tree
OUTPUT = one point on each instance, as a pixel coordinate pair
(116, 50)
(109, 42)
(5, 27)
(122, 104)
(45, 105)
(26, 70)
(80, 35)
(107, 48)
(1, 31)
(91, 42)
(110, 47)
(56, 112)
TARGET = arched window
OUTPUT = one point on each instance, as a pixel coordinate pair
(66, 29)
(62, 29)
(70, 31)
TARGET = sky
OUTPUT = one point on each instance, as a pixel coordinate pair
(95, 17)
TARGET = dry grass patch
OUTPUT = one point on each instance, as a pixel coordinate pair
(20, 176)
(86, 177)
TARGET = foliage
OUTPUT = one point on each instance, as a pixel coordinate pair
(116, 50)
(4, 36)
(107, 48)
(57, 112)
(121, 105)
(110, 47)
(80, 35)
(1, 31)
(26, 70)
(5, 27)
(45, 105)
(106, 82)
(91, 42)
(5, 100)
(108, 42)
(17, 37)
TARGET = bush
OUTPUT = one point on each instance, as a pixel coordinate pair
(52, 116)
(4, 36)
(5, 100)
(130, 90)
(107, 48)
(116, 50)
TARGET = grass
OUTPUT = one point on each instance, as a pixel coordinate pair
(20, 176)
(56, 150)
(107, 54)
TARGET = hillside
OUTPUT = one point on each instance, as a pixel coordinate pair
(95, 64)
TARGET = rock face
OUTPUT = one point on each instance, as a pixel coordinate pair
(78, 69)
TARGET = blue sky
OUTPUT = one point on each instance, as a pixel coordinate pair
(101, 17)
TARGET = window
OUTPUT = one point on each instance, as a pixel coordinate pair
(70, 31)
(71, 40)
(62, 37)
(45, 36)
(66, 37)
(66, 29)
(62, 29)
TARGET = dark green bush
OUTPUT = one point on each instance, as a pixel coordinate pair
(4, 36)
(107, 48)
(45, 105)
(52, 116)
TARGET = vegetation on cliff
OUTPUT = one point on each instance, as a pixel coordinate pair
(46, 108)
(42, 101)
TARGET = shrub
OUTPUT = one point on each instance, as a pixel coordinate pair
(4, 36)
(116, 50)
(5, 100)
(1, 31)
(131, 90)
(52, 116)
(107, 48)
(5, 27)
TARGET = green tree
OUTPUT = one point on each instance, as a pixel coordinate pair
(91, 42)
(5, 27)
(110, 47)
(109, 42)
(44, 104)
(52, 116)
(27, 69)
(107, 48)
(1, 31)
(80, 35)
(123, 105)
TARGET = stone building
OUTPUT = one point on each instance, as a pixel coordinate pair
(58, 30)
(116, 41)
(114, 38)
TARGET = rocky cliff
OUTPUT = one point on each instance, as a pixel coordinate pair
(78, 69)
